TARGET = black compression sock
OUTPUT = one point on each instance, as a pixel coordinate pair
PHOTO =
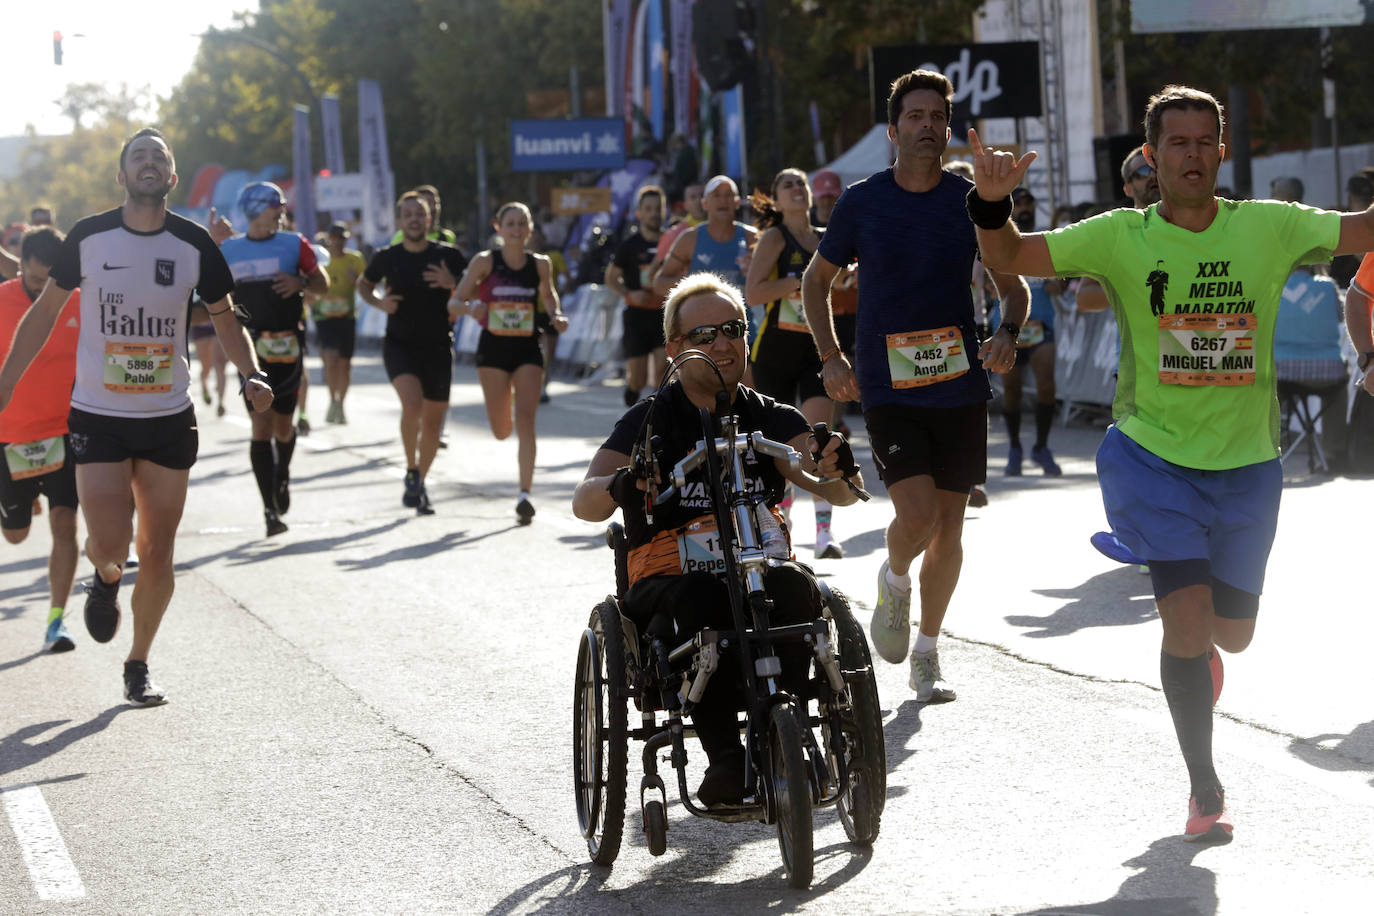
(264, 470)
(284, 452)
(1044, 419)
(1188, 689)
(1013, 421)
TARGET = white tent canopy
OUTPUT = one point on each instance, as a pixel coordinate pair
(871, 154)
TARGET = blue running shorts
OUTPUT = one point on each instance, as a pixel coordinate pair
(1165, 512)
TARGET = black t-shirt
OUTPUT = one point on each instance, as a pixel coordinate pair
(633, 257)
(422, 316)
(677, 422)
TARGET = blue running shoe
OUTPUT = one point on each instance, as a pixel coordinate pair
(1110, 546)
(1041, 456)
(411, 497)
(1014, 461)
(57, 638)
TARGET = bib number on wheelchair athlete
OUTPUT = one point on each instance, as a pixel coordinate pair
(923, 358)
(278, 347)
(699, 549)
(31, 459)
(1032, 335)
(138, 368)
(791, 316)
(511, 319)
(1207, 349)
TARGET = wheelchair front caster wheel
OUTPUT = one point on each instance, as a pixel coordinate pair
(656, 828)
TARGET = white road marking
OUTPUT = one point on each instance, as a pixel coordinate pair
(50, 868)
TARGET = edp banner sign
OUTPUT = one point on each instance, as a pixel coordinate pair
(567, 144)
(991, 80)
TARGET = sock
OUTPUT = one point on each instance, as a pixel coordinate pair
(54, 614)
(1044, 419)
(1188, 689)
(924, 643)
(524, 494)
(264, 469)
(1013, 421)
(284, 452)
(822, 516)
(631, 397)
(899, 582)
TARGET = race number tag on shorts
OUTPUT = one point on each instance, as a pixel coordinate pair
(698, 547)
(278, 347)
(335, 308)
(511, 319)
(30, 459)
(138, 368)
(1207, 349)
(791, 316)
(925, 357)
(1033, 334)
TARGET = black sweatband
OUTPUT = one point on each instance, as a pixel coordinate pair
(987, 214)
(260, 376)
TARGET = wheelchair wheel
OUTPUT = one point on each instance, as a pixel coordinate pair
(791, 795)
(861, 804)
(600, 734)
(656, 828)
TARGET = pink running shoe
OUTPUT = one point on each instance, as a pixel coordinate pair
(1208, 821)
(1218, 672)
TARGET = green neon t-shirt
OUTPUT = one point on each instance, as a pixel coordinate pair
(1196, 312)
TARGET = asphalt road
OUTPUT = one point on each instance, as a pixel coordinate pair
(371, 712)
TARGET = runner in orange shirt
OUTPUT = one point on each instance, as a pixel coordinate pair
(33, 429)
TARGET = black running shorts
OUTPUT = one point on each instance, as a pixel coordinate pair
(642, 331)
(949, 444)
(170, 441)
(508, 353)
(339, 334)
(17, 496)
(432, 364)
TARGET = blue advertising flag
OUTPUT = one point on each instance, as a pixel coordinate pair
(656, 56)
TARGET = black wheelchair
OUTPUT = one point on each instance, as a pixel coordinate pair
(788, 775)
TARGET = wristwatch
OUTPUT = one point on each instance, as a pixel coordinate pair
(1013, 329)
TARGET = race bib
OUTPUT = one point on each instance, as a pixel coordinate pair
(698, 547)
(278, 346)
(1033, 334)
(791, 316)
(1207, 349)
(138, 368)
(30, 459)
(923, 358)
(333, 308)
(511, 319)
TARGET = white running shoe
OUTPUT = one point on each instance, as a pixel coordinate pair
(827, 548)
(927, 680)
(891, 626)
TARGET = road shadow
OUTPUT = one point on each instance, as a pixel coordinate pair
(258, 549)
(685, 883)
(861, 544)
(1350, 753)
(17, 753)
(1120, 597)
(1168, 863)
(420, 551)
(366, 466)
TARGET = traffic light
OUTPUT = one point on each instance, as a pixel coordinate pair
(57, 47)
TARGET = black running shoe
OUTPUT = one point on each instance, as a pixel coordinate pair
(275, 525)
(411, 498)
(283, 495)
(423, 507)
(139, 688)
(102, 609)
(524, 511)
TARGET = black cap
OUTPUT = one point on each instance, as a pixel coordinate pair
(1021, 194)
(339, 229)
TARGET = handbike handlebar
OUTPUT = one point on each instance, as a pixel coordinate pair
(723, 446)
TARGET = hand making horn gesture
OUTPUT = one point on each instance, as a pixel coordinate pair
(996, 174)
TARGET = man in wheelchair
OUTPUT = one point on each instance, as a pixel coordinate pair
(675, 574)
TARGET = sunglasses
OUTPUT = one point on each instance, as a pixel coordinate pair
(705, 335)
(1145, 171)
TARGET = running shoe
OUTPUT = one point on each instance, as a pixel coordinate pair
(891, 625)
(283, 495)
(102, 609)
(1218, 672)
(1041, 456)
(139, 688)
(927, 680)
(329, 412)
(543, 397)
(342, 420)
(524, 511)
(219, 411)
(826, 547)
(303, 426)
(423, 507)
(1014, 461)
(724, 781)
(411, 498)
(1110, 546)
(1208, 821)
(205, 393)
(57, 639)
(275, 525)
(977, 498)
(443, 443)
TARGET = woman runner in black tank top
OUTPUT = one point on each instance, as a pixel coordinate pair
(785, 363)
(511, 285)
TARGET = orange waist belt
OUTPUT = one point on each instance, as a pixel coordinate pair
(693, 547)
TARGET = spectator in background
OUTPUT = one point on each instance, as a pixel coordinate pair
(9, 250)
(1138, 179)
(1062, 216)
(1359, 194)
(827, 188)
(1307, 352)
(1286, 188)
(41, 215)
